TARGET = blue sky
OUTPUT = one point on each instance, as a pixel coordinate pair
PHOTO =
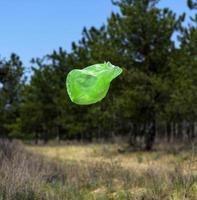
(33, 28)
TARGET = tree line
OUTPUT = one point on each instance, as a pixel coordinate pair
(155, 97)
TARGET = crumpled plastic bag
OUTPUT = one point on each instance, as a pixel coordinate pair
(91, 84)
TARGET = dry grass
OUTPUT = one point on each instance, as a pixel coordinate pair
(168, 173)
(138, 161)
(20, 172)
(95, 172)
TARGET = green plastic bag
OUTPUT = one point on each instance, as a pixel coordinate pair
(91, 84)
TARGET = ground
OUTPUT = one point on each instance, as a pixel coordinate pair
(166, 173)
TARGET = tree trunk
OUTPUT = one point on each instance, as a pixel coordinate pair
(133, 135)
(150, 136)
(180, 135)
(192, 131)
(169, 131)
(173, 131)
(36, 138)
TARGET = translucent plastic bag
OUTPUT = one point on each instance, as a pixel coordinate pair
(91, 84)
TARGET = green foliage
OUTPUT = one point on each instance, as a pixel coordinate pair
(11, 72)
(192, 4)
(158, 85)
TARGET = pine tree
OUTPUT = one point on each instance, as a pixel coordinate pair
(11, 72)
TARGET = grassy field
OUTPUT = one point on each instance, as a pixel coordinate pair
(168, 173)
(96, 172)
